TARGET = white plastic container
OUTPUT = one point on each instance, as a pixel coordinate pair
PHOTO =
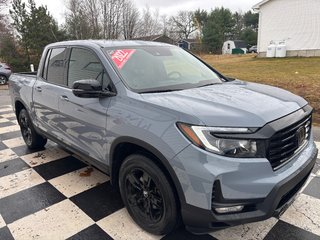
(281, 51)
(271, 51)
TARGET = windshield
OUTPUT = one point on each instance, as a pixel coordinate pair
(161, 68)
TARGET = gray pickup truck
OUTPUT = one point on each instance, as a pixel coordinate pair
(182, 142)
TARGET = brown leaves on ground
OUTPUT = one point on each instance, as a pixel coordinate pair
(86, 173)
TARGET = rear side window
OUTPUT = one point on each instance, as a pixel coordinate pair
(83, 65)
(56, 66)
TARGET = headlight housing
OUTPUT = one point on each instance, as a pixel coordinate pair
(204, 138)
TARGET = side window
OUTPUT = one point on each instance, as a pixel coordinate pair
(83, 65)
(56, 66)
(45, 67)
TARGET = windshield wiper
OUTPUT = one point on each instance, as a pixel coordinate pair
(162, 91)
(209, 84)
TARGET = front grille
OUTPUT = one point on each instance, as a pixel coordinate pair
(286, 142)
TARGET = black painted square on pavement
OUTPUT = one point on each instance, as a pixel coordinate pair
(12, 118)
(7, 112)
(7, 124)
(283, 230)
(2, 146)
(313, 188)
(5, 234)
(59, 167)
(12, 166)
(10, 135)
(99, 202)
(316, 167)
(94, 232)
(29, 201)
(24, 150)
(182, 233)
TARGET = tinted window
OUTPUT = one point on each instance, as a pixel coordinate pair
(45, 67)
(84, 64)
(56, 66)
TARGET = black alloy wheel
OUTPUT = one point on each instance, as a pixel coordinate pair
(26, 129)
(144, 196)
(148, 195)
(32, 139)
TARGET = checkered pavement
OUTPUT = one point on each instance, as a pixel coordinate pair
(51, 194)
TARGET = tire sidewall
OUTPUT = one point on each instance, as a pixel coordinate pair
(37, 141)
(24, 113)
(170, 218)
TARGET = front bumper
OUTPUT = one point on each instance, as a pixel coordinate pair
(264, 192)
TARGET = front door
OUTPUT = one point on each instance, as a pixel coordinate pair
(85, 119)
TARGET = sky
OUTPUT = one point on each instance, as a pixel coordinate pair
(169, 7)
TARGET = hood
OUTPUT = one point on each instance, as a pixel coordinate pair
(232, 104)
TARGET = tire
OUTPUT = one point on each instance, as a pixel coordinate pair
(3, 80)
(148, 195)
(32, 139)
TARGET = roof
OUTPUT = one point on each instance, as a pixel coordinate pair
(108, 43)
(151, 38)
(190, 40)
(258, 5)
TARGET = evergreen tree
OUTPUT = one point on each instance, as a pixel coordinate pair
(218, 28)
(36, 28)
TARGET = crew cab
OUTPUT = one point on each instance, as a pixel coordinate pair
(181, 142)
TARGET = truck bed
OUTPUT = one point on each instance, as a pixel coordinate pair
(21, 85)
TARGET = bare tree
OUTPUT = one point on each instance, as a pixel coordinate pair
(183, 24)
(92, 9)
(150, 23)
(3, 23)
(164, 22)
(130, 20)
(3, 3)
(111, 18)
(77, 20)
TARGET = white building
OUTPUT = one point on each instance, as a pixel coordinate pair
(295, 21)
(229, 45)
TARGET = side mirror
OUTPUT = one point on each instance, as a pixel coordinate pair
(90, 88)
(230, 79)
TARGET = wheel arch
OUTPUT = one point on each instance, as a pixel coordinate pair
(125, 146)
(18, 106)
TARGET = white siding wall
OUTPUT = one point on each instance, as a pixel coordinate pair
(295, 20)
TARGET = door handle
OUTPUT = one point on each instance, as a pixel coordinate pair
(64, 98)
(38, 89)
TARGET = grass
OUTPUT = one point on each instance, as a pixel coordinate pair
(298, 75)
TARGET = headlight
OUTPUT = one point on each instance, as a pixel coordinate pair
(203, 137)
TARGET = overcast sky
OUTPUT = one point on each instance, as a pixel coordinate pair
(168, 7)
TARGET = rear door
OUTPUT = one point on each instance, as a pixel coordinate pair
(85, 119)
(46, 91)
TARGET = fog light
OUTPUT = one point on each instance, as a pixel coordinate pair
(229, 209)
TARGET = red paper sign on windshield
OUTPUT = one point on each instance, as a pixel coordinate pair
(120, 57)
